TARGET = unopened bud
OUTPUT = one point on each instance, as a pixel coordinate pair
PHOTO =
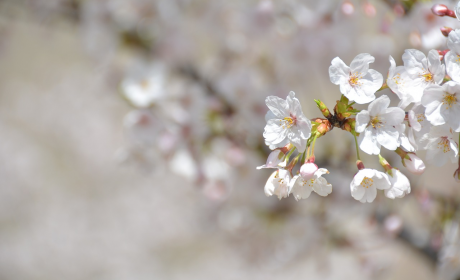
(307, 170)
(446, 30)
(442, 10)
(414, 164)
(322, 107)
(360, 164)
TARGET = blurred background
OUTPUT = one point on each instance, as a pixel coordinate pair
(96, 186)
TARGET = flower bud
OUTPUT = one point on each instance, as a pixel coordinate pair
(307, 170)
(414, 164)
(442, 10)
(446, 30)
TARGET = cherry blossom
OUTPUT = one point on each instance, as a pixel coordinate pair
(286, 123)
(442, 104)
(366, 182)
(278, 184)
(357, 82)
(377, 126)
(440, 145)
(301, 188)
(400, 185)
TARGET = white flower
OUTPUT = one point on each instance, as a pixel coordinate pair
(414, 164)
(408, 82)
(357, 82)
(275, 159)
(418, 124)
(440, 145)
(377, 126)
(144, 86)
(286, 123)
(366, 182)
(452, 58)
(400, 185)
(302, 188)
(278, 184)
(442, 104)
(401, 83)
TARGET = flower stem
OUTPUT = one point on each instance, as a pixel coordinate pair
(312, 152)
(356, 143)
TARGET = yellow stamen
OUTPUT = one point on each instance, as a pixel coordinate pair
(449, 100)
(288, 122)
(376, 122)
(354, 79)
(367, 182)
(444, 145)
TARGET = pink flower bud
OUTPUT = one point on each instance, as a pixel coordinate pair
(445, 31)
(442, 10)
(457, 175)
(307, 170)
(439, 10)
(415, 165)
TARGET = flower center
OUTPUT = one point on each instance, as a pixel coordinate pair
(354, 79)
(444, 144)
(449, 100)
(428, 77)
(376, 122)
(420, 117)
(288, 122)
(367, 182)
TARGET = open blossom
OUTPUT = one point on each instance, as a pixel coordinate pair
(419, 71)
(399, 185)
(278, 184)
(302, 188)
(144, 87)
(357, 82)
(377, 126)
(366, 182)
(440, 145)
(452, 58)
(286, 123)
(401, 83)
(442, 104)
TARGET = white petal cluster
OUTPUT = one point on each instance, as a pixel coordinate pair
(452, 58)
(301, 187)
(379, 126)
(278, 184)
(440, 145)
(286, 123)
(357, 82)
(442, 104)
(366, 182)
(399, 185)
(409, 81)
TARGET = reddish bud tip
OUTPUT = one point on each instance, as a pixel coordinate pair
(442, 10)
(360, 164)
(439, 10)
(446, 30)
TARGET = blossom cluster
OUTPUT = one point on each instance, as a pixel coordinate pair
(426, 118)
